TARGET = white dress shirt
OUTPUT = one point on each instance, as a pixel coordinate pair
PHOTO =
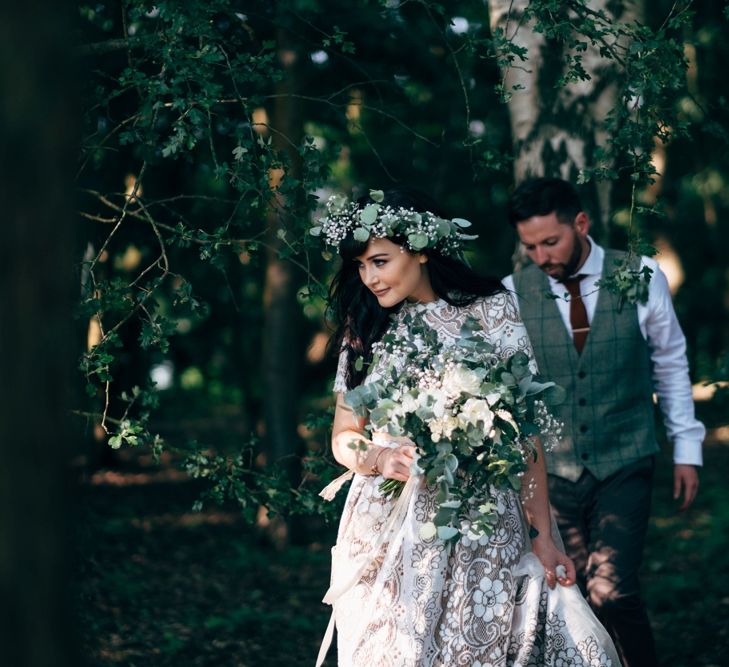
(660, 328)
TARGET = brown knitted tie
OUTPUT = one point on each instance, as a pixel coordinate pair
(578, 314)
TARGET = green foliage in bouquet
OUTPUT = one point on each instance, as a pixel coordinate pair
(472, 414)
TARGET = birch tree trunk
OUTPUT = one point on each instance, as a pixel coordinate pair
(557, 128)
(37, 136)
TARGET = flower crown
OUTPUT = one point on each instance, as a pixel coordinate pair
(421, 230)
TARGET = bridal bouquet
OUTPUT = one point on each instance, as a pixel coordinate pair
(472, 415)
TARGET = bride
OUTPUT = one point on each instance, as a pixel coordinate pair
(400, 600)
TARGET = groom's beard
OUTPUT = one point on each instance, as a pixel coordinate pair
(562, 271)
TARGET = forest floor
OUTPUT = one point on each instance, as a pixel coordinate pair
(158, 584)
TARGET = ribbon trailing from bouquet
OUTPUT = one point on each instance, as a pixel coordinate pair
(331, 489)
(363, 561)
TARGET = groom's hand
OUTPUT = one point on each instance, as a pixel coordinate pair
(686, 480)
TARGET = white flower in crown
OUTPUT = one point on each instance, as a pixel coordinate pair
(422, 230)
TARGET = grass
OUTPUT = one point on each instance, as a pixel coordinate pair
(686, 569)
(160, 585)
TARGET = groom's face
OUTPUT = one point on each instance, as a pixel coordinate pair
(556, 247)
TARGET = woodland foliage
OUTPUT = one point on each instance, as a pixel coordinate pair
(214, 129)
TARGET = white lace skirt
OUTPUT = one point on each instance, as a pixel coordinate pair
(400, 601)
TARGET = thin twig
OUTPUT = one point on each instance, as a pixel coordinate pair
(362, 106)
(122, 215)
(109, 46)
(94, 415)
(374, 151)
(242, 243)
(104, 416)
(456, 64)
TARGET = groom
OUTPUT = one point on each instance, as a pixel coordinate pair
(610, 356)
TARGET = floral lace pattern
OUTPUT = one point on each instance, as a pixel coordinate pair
(421, 603)
(498, 314)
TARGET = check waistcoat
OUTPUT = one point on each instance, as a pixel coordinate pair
(608, 411)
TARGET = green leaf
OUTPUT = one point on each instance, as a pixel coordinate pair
(444, 448)
(451, 462)
(353, 398)
(361, 234)
(377, 195)
(443, 516)
(447, 532)
(555, 395)
(368, 215)
(508, 379)
(534, 387)
(417, 241)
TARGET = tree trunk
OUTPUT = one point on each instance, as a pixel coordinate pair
(282, 323)
(557, 129)
(38, 137)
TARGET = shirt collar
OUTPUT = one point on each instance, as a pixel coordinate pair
(593, 263)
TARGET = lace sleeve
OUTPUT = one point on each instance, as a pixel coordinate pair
(504, 328)
(340, 379)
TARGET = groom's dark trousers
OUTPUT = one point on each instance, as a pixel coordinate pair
(604, 525)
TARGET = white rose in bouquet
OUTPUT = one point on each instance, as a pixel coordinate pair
(476, 410)
(460, 380)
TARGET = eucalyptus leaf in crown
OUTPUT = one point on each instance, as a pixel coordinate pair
(422, 230)
(472, 415)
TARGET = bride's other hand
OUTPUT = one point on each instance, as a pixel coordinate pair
(558, 567)
(395, 463)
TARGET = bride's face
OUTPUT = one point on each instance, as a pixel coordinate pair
(394, 275)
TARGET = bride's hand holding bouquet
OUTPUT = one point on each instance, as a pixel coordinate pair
(395, 460)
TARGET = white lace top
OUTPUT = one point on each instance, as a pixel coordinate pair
(498, 315)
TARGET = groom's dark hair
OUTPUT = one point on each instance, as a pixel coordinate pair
(542, 196)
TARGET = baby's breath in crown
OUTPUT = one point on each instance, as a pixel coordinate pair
(421, 230)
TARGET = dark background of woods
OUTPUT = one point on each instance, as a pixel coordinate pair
(239, 354)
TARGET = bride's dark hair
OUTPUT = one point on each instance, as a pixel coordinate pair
(359, 318)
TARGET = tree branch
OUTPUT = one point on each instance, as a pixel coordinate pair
(109, 46)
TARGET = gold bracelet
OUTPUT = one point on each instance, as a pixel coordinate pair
(374, 469)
